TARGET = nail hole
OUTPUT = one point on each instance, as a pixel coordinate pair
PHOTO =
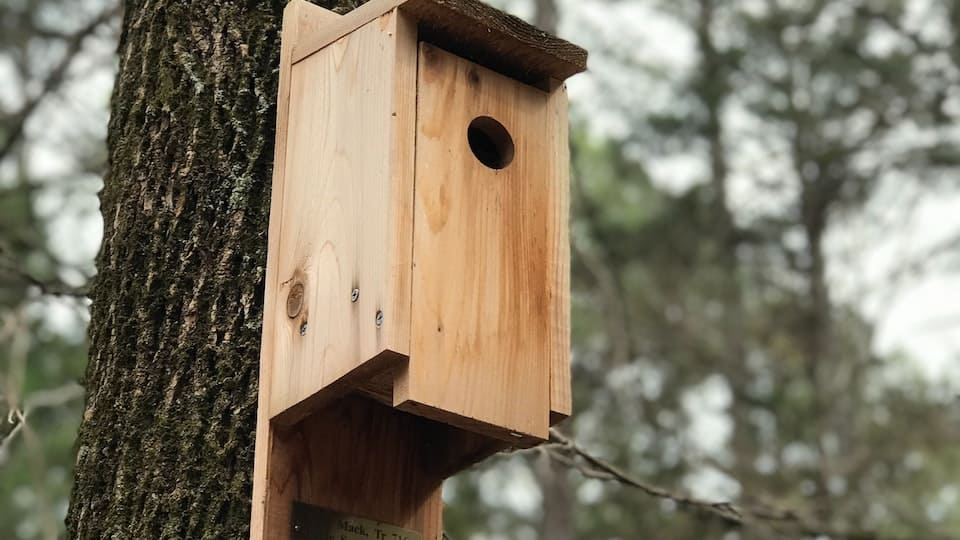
(490, 142)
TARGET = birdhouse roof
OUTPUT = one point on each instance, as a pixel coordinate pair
(473, 30)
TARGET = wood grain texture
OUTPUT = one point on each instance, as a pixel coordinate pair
(376, 189)
(298, 18)
(489, 256)
(561, 391)
(361, 458)
(471, 29)
(345, 221)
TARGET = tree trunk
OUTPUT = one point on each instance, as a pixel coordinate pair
(557, 521)
(166, 444)
(545, 16)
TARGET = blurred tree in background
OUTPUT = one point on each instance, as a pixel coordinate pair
(733, 163)
(52, 52)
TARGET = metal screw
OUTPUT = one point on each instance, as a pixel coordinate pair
(296, 528)
(303, 329)
(379, 319)
(355, 295)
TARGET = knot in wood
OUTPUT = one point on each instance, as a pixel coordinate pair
(295, 300)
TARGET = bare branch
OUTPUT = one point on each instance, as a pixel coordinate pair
(53, 80)
(47, 287)
(566, 451)
(43, 399)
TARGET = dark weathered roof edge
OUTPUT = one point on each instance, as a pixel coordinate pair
(473, 28)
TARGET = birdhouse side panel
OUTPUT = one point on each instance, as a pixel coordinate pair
(343, 278)
(561, 388)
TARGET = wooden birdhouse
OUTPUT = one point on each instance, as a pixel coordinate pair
(417, 293)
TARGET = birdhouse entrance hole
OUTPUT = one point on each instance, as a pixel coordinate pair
(490, 142)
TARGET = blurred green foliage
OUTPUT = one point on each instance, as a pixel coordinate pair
(51, 155)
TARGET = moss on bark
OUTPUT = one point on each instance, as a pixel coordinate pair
(166, 445)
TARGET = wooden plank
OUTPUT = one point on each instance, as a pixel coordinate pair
(345, 222)
(487, 36)
(310, 19)
(298, 17)
(471, 29)
(361, 458)
(561, 397)
(348, 23)
(488, 255)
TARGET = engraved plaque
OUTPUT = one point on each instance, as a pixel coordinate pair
(308, 522)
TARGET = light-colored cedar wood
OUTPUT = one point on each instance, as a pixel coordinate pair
(346, 212)
(561, 398)
(310, 19)
(472, 29)
(489, 256)
(367, 459)
(361, 458)
(470, 267)
(298, 18)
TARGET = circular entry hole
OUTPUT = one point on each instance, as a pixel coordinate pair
(490, 142)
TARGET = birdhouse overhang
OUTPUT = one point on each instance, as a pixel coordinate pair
(472, 30)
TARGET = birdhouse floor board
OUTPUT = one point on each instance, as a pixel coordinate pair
(369, 377)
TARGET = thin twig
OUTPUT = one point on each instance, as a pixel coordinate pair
(568, 452)
(47, 287)
(53, 80)
(42, 399)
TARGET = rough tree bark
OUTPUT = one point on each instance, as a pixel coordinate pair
(166, 445)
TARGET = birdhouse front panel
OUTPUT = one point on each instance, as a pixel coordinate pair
(489, 251)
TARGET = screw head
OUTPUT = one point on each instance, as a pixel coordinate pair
(355, 295)
(303, 329)
(296, 528)
(379, 319)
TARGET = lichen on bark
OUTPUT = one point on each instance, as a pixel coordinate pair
(166, 445)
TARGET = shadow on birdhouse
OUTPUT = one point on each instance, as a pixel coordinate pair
(417, 294)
